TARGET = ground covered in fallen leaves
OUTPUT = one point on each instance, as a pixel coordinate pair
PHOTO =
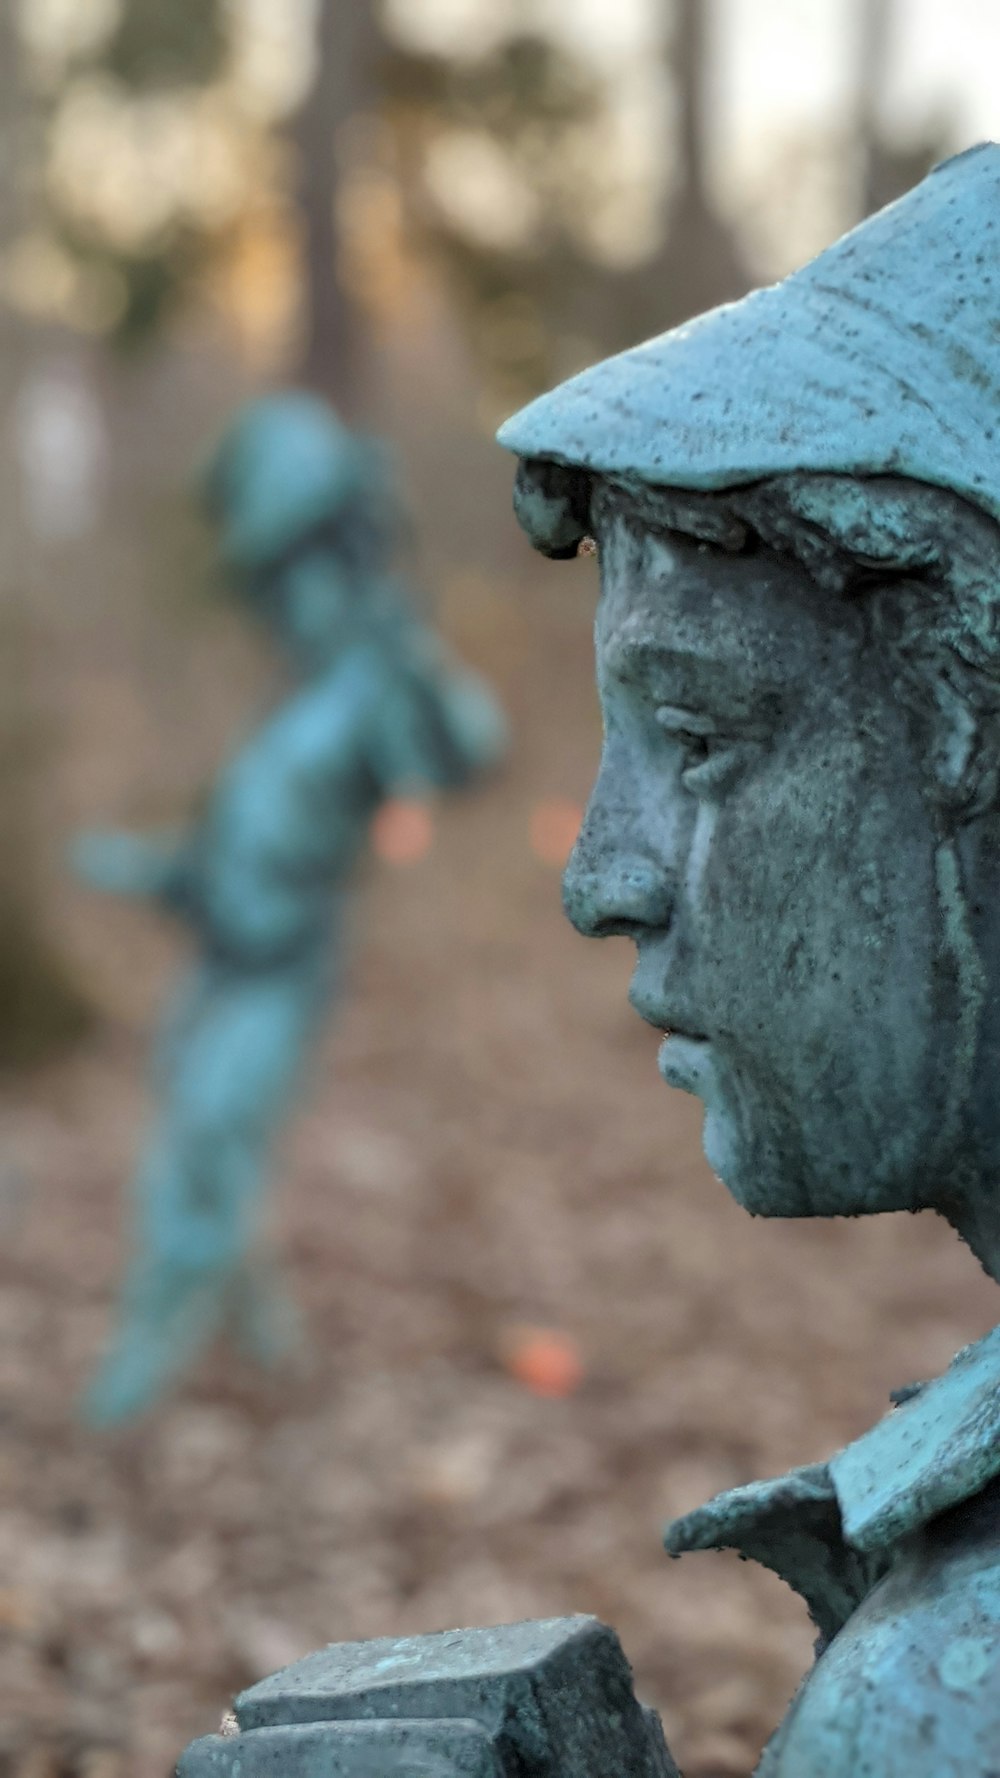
(485, 1147)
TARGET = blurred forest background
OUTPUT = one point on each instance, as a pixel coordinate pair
(428, 210)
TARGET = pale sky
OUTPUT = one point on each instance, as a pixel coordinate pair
(786, 57)
(790, 59)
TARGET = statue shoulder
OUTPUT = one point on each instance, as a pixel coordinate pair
(910, 1687)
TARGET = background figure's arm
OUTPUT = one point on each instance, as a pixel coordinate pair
(442, 726)
(476, 725)
(157, 866)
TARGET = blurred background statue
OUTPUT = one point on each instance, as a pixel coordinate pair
(307, 520)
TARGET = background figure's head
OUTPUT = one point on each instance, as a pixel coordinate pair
(307, 517)
(796, 500)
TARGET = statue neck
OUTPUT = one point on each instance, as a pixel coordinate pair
(974, 1211)
(978, 1225)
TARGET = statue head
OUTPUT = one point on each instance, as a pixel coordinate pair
(795, 501)
(306, 514)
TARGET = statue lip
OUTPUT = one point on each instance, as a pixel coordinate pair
(685, 1056)
(665, 1022)
(684, 1060)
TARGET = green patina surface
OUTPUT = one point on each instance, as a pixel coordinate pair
(796, 820)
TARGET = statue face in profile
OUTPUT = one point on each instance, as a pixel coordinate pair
(759, 829)
(796, 505)
(796, 501)
(794, 820)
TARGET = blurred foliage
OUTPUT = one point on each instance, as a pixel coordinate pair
(525, 85)
(149, 283)
(534, 104)
(158, 44)
(536, 124)
(185, 579)
(156, 47)
(43, 1011)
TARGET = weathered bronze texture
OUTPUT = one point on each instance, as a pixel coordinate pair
(797, 820)
(795, 501)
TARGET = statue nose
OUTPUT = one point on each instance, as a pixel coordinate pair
(620, 895)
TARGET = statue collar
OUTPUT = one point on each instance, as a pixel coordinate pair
(939, 1447)
(829, 1529)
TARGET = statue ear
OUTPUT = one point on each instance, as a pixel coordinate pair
(965, 752)
(552, 504)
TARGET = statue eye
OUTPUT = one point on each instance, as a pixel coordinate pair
(696, 747)
(693, 732)
(708, 758)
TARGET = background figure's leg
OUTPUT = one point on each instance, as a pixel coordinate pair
(175, 1297)
(231, 1061)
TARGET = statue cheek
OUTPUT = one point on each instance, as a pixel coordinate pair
(702, 828)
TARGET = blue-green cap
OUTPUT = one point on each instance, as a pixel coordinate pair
(881, 356)
(285, 466)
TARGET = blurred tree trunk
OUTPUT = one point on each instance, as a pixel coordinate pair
(347, 46)
(703, 254)
(700, 262)
(40, 1010)
(887, 168)
(875, 181)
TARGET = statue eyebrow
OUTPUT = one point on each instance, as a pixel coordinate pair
(634, 660)
(700, 678)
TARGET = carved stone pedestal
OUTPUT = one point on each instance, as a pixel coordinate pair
(549, 1699)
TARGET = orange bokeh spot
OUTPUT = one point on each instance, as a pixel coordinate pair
(546, 1361)
(402, 831)
(554, 827)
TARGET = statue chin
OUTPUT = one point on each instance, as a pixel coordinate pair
(748, 1171)
(757, 1169)
(720, 1140)
(749, 1168)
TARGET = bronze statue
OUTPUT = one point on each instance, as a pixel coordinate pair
(797, 820)
(796, 504)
